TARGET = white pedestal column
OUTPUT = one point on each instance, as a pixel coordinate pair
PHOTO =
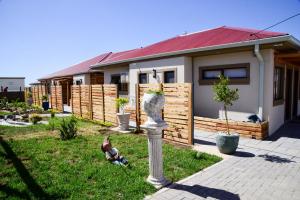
(156, 176)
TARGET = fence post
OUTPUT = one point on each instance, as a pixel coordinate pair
(190, 115)
(103, 102)
(91, 101)
(137, 106)
(79, 91)
(56, 98)
(72, 99)
(161, 88)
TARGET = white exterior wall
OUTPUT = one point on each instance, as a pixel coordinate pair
(177, 64)
(114, 70)
(84, 77)
(247, 104)
(273, 114)
(13, 84)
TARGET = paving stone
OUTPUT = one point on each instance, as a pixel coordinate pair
(271, 172)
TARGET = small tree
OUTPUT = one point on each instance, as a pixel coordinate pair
(121, 102)
(225, 95)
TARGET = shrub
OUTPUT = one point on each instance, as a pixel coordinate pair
(68, 128)
(35, 118)
(3, 103)
(51, 125)
(121, 102)
(225, 95)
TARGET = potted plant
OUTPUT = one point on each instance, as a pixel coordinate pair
(153, 102)
(45, 103)
(227, 142)
(123, 118)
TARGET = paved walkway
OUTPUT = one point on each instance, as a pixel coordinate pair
(267, 169)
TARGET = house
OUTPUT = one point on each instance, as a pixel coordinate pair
(75, 75)
(12, 87)
(263, 65)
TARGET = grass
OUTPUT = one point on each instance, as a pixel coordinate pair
(5, 112)
(48, 167)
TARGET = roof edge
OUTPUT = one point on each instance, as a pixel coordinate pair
(214, 47)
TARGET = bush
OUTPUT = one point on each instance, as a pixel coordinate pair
(3, 103)
(35, 118)
(68, 128)
(51, 124)
(44, 98)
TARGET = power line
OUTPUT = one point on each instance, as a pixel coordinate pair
(275, 24)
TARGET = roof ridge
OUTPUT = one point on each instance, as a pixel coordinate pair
(209, 29)
(252, 31)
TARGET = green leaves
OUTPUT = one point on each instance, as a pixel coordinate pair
(68, 128)
(223, 93)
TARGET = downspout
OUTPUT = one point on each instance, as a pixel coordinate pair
(261, 81)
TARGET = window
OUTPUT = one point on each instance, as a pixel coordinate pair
(121, 81)
(143, 78)
(169, 77)
(78, 82)
(278, 92)
(237, 73)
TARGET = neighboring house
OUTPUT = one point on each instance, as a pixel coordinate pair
(12, 84)
(75, 75)
(263, 65)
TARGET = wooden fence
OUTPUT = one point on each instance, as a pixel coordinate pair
(177, 112)
(38, 91)
(56, 98)
(247, 129)
(97, 102)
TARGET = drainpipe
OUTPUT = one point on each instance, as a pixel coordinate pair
(261, 81)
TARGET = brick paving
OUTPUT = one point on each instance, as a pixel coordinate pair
(262, 170)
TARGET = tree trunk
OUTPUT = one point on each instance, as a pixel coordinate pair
(227, 125)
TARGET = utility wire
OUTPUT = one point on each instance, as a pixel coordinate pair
(275, 24)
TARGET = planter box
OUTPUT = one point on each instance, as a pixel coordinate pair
(246, 129)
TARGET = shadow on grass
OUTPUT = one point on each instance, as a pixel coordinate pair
(206, 192)
(31, 184)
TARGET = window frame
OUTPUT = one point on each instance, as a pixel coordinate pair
(120, 85)
(147, 77)
(222, 68)
(166, 71)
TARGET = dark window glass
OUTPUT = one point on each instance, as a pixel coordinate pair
(169, 77)
(278, 83)
(143, 78)
(236, 73)
(79, 82)
(116, 79)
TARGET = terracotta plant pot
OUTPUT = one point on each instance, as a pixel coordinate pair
(227, 144)
(123, 120)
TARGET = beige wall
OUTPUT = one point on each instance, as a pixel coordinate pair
(203, 96)
(273, 114)
(177, 64)
(114, 70)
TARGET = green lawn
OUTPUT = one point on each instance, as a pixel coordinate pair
(47, 167)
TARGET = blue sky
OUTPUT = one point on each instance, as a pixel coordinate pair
(42, 36)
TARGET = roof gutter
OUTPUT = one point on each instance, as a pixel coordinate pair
(283, 38)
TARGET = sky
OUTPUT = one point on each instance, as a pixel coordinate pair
(39, 37)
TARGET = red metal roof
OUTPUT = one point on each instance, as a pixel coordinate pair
(217, 36)
(79, 68)
(212, 37)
